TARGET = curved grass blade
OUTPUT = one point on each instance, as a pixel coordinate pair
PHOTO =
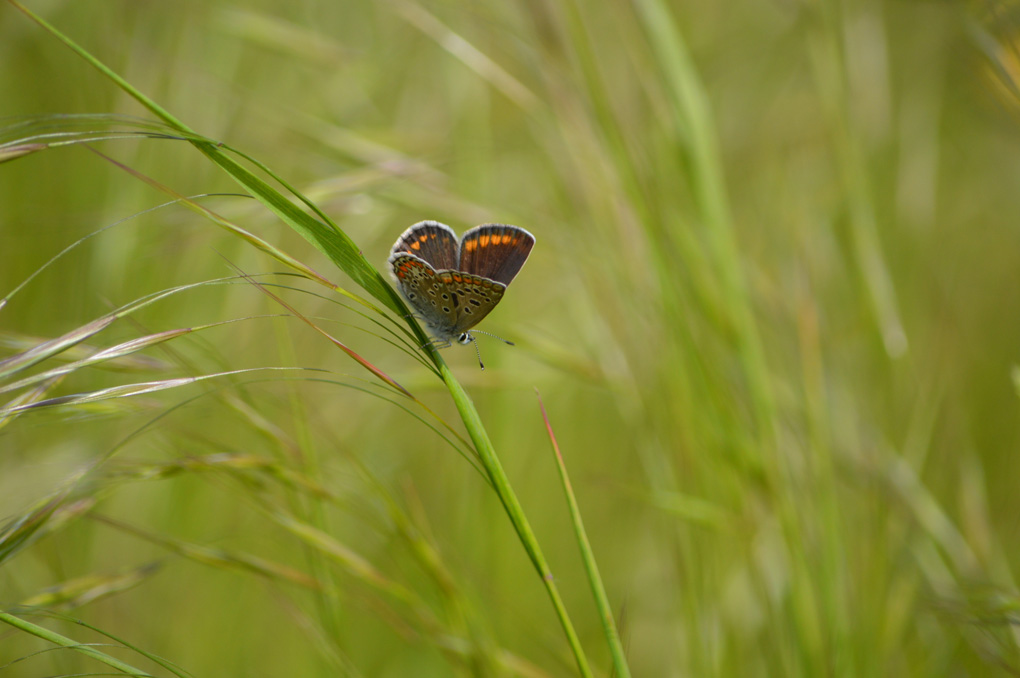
(19, 150)
(115, 353)
(464, 449)
(112, 353)
(23, 135)
(339, 344)
(64, 641)
(130, 390)
(76, 243)
(120, 642)
(252, 239)
(32, 396)
(53, 347)
(21, 531)
(353, 563)
(217, 557)
(37, 354)
(27, 128)
(81, 591)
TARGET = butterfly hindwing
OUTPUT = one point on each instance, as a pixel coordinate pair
(417, 280)
(495, 251)
(432, 242)
(450, 302)
(469, 298)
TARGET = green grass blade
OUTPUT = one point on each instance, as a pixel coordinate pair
(80, 591)
(112, 353)
(382, 376)
(53, 347)
(48, 349)
(19, 532)
(220, 558)
(130, 390)
(57, 639)
(699, 143)
(594, 578)
(513, 508)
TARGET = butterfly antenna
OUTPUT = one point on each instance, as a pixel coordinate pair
(478, 353)
(489, 334)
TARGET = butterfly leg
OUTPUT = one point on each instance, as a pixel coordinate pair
(437, 343)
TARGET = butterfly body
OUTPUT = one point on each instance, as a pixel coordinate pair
(453, 283)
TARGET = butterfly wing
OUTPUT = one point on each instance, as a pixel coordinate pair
(495, 251)
(467, 298)
(450, 302)
(432, 242)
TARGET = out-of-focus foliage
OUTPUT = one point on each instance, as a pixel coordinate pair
(773, 312)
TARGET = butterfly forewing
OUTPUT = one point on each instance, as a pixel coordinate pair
(433, 242)
(495, 251)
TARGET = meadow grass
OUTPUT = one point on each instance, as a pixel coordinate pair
(772, 314)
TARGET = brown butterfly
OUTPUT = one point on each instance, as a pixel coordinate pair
(453, 284)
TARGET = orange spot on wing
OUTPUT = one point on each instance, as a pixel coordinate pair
(483, 241)
(457, 278)
(423, 238)
(470, 245)
(506, 239)
(416, 246)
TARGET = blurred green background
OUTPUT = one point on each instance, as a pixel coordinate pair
(773, 312)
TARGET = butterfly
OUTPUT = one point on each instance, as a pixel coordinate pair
(452, 284)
